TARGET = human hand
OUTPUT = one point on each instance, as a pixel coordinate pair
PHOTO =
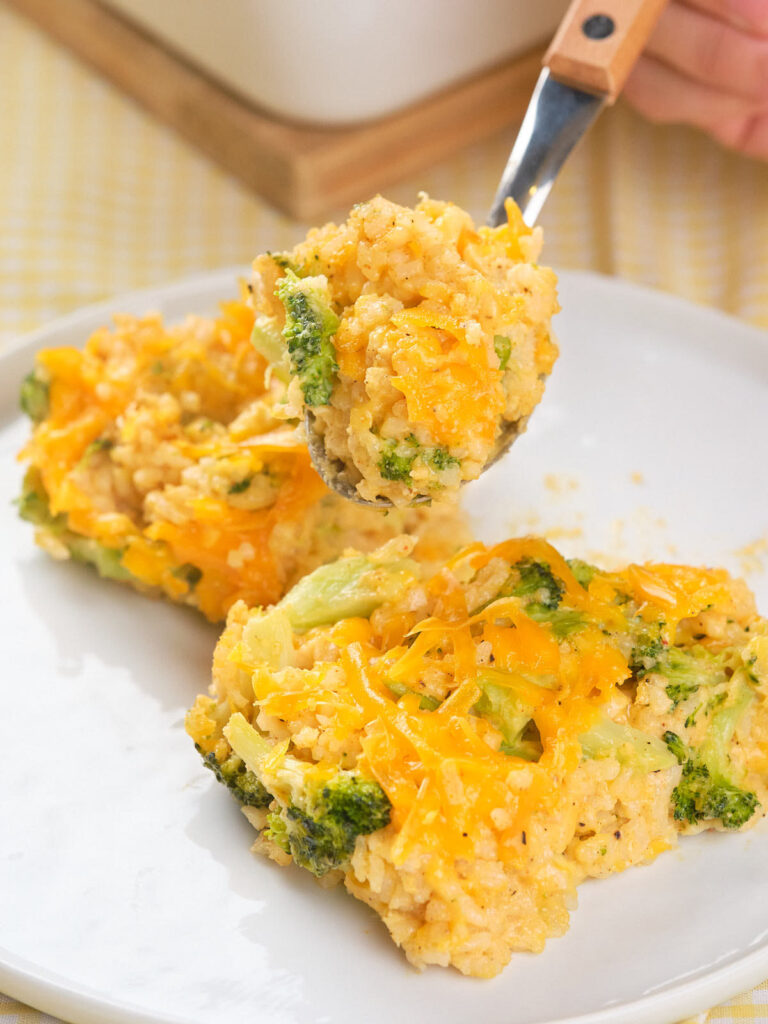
(706, 65)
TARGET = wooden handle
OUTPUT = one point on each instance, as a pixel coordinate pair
(598, 41)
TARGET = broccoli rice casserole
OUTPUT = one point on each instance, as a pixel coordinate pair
(459, 734)
(413, 338)
(462, 748)
(159, 455)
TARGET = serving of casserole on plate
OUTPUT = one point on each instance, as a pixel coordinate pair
(134, 865)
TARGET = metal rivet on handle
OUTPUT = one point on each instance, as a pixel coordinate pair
(598, 26)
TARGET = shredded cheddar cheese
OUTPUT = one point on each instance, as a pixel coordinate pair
(507, 707)
(414, 338)
(160, 457)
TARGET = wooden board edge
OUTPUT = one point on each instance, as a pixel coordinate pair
(304, 171)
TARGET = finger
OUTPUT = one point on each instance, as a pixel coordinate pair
(668, 97)
(754, 137)
(712, 51)
(749, 15)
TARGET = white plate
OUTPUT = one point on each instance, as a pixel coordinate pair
(127, 892)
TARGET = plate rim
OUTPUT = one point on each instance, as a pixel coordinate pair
(37, 987)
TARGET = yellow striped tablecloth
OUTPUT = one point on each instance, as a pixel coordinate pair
(97, 198)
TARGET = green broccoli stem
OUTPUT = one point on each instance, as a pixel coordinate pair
(563, 621)
(346, 588)
(503, 703)
(426, 703)
(719, 737)
(631, 747)
(505, 706)
(310, 324)
(35, 395)
(248, 743)
(503, 348)
(34, 508)
(268, 340)
(583, 571)
(506, 711)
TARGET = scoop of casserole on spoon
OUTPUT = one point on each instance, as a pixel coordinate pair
(419, 345)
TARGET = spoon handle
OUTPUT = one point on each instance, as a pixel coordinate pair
(598, 41)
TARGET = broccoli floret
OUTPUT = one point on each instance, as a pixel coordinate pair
(242, 783)
(707, 790)
(631, 747)
(701, 796)
(647, 648)
(240, 486)
(583, 571)
(685, 670)
(310, 323)
(535, 580)
(188, 573)
(315, 818)
(679, 692)
(320, 832)
(690, 796)
(440, 459)
(284, 261)
(503, 347)
(35, 394)
(676, 747)
(277, 831)
(344, 589)
(731, 805)
(396, 460)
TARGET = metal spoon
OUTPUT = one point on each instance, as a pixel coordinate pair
(584, 70)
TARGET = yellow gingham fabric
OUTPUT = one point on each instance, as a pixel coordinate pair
(97, 198)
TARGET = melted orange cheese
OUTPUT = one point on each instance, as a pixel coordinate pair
(676, 591)
(449, 384)
(442, 770)
(486, 240)
(450, 785)
(92, 394)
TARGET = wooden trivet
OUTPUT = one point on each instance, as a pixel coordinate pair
(305, 171)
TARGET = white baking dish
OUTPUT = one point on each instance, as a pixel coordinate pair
(337, 62)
